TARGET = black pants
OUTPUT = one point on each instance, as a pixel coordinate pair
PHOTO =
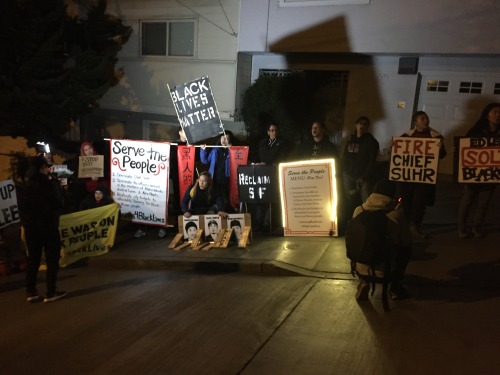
(47, 240)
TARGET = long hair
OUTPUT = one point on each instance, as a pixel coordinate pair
(482, 121)
(194, 189)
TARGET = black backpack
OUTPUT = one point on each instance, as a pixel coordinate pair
(367, 242)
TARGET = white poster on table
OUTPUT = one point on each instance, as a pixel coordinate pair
(309, 198)
(139, 179)
(236, 222)
(9, 212)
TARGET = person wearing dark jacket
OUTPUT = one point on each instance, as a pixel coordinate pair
(40, 205)
(100, 198)
(476, 197)
(318, 146)
(201, 199)
(416, 196)
(272, 149)
(359, 163)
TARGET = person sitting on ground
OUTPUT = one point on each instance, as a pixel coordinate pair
(398, 230)
(201, 199)
(100, 198)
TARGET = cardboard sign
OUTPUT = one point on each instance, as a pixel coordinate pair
(9, 212)
(258, 183)
(91, 166)
(414, 160)
(196, 109)
(309, 198)
(477, 160)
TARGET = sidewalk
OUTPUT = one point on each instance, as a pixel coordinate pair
(442, 259)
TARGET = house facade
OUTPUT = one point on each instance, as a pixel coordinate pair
(394, 56)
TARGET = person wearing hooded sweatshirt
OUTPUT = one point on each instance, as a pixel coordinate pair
(359, 162)
(416, 196)
(400, 238)
(100, 198)
(201, 199)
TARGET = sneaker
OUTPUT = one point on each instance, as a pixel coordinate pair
(54, 296)
(139, 233)
(34, 298)
(398, 291)
(363, 290)
(162, 233)
(477, 233)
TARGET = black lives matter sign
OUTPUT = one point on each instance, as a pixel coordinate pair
(196, 109)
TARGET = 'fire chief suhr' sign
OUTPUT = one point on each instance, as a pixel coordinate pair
(414, 160)
(477, 160)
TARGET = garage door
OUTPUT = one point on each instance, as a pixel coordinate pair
(454, 102)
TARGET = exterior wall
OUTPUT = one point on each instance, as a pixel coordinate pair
(143, 93)
(388, 26)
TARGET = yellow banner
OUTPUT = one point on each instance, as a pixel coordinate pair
(88, 233)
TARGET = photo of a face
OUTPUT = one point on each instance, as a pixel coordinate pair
(191, 226)
(212, 227)
(237, 223)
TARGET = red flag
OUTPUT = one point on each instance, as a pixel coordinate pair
(238, 155)
(185, 163)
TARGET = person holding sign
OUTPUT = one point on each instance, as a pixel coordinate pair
(318, 146)
(218, 160)
(87, 149)
(416, 196)
(476, 197)
(358, 162)
(201, 199)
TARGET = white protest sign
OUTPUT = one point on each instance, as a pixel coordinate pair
(414, 160)
(9, 213)
(139, 179)
(478, 160)
(309, 198)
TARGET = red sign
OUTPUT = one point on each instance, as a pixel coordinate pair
(185, 163)
(238, 155)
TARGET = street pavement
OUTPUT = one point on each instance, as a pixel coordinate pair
(283, 305)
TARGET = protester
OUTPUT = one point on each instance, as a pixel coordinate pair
(40, 203)
(218, 160)
(202, 199)
(100, 198)
(87, 149)
(271, 151)
(399, 236)
(359, 163)
(318, 146)
(476, 197)
(416, 196)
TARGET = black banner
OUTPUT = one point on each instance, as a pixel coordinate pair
(196, 109)
(258, 183)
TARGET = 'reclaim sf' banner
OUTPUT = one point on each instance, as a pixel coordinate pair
(238, 155)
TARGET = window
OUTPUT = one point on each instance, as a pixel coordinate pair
(496, 89)
(437, 86)
(168, 38)
(471, 87)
